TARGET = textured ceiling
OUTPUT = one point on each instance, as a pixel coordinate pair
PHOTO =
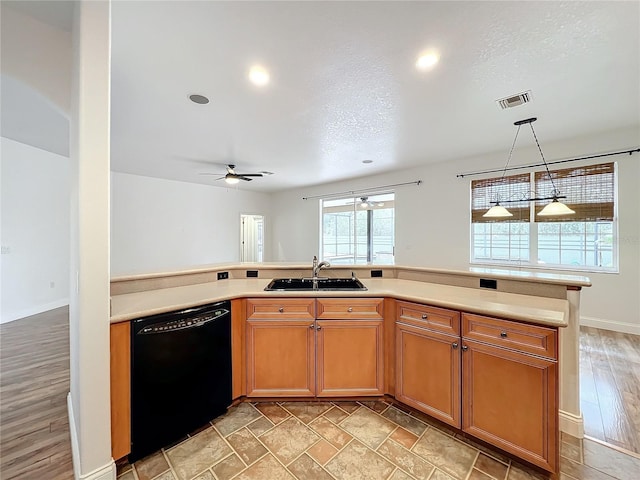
(344, 87)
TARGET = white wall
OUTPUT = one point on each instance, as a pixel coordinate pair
(35, 230)
(431, 237)
(161, 224)
(37, 54)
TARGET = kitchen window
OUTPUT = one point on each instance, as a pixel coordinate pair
(586, 240)
(358, 230)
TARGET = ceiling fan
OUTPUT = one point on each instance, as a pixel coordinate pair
(232, 177)
(366, 203)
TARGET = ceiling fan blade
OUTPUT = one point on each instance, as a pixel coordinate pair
(207, 173)
(249, 174)
(242, 177)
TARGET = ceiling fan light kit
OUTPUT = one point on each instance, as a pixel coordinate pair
(232, 177)
(553, 209)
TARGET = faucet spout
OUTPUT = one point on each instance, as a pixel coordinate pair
(318, 266)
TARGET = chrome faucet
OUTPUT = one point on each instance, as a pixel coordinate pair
(317, 266)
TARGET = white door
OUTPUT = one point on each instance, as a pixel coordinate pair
(251, 238)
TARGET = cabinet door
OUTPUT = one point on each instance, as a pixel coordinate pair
(428, 372)
(280, 358)
(510, 401)
(350, 358)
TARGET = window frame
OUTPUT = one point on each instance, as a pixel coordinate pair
(355, 240)
(534, 236)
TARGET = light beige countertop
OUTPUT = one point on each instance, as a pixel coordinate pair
(476, 271)
(527, 308)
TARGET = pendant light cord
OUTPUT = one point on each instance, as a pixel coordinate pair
(506, 165)
(555, 192)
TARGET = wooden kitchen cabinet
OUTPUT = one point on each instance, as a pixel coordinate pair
(291, 354)
(510, 396)
(349, 347)
(350, 358)
(120, 350)
(428, 360)
(280, 348)
(428, 372)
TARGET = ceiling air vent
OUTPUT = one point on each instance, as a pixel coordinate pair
(515, 100)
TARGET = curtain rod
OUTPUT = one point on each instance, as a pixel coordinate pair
(363, 190)
(482, 172)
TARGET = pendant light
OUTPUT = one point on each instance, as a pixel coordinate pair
(553, 209)
(498, 211)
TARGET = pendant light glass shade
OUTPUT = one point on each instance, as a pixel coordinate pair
(554, 209)
(232, 180)
(498, 211)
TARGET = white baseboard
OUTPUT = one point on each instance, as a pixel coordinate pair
(106, 472)
(27, 312)
(571, 424)
(610, 325)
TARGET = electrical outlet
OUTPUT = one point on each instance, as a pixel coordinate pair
(252, 273)
(486, 283)
(223, 275)
(376, 273)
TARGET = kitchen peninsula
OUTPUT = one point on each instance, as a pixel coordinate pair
(529, 320)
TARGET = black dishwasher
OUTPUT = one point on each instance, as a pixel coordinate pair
(180, 374)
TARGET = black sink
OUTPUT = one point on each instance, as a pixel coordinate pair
(309, 284)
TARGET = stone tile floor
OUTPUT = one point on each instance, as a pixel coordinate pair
(354, 441)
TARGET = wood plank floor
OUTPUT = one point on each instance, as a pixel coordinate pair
(34, 382)
(610, 387)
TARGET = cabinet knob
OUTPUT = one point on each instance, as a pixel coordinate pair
(503, 334)
(464, 348)
(281, 309)
(350, 309)
(424, 316)
(311, 326)
(319, 328)
(454, 345)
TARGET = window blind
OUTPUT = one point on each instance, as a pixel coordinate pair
(590, 191)
(488, 190)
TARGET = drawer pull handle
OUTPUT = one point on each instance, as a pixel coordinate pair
(281, 309)
(350, 309)
(503, 334)
(454, 345)
(465, 348)
(424, 316)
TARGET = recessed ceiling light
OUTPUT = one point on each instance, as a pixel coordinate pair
(200, 99)
(367, 161)
(427, 60)
(259, 76)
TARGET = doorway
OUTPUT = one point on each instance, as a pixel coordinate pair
(251, 238)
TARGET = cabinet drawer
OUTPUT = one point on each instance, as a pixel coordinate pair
(339, 308)
(280, 308)
(510, 334)
(433, 318)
